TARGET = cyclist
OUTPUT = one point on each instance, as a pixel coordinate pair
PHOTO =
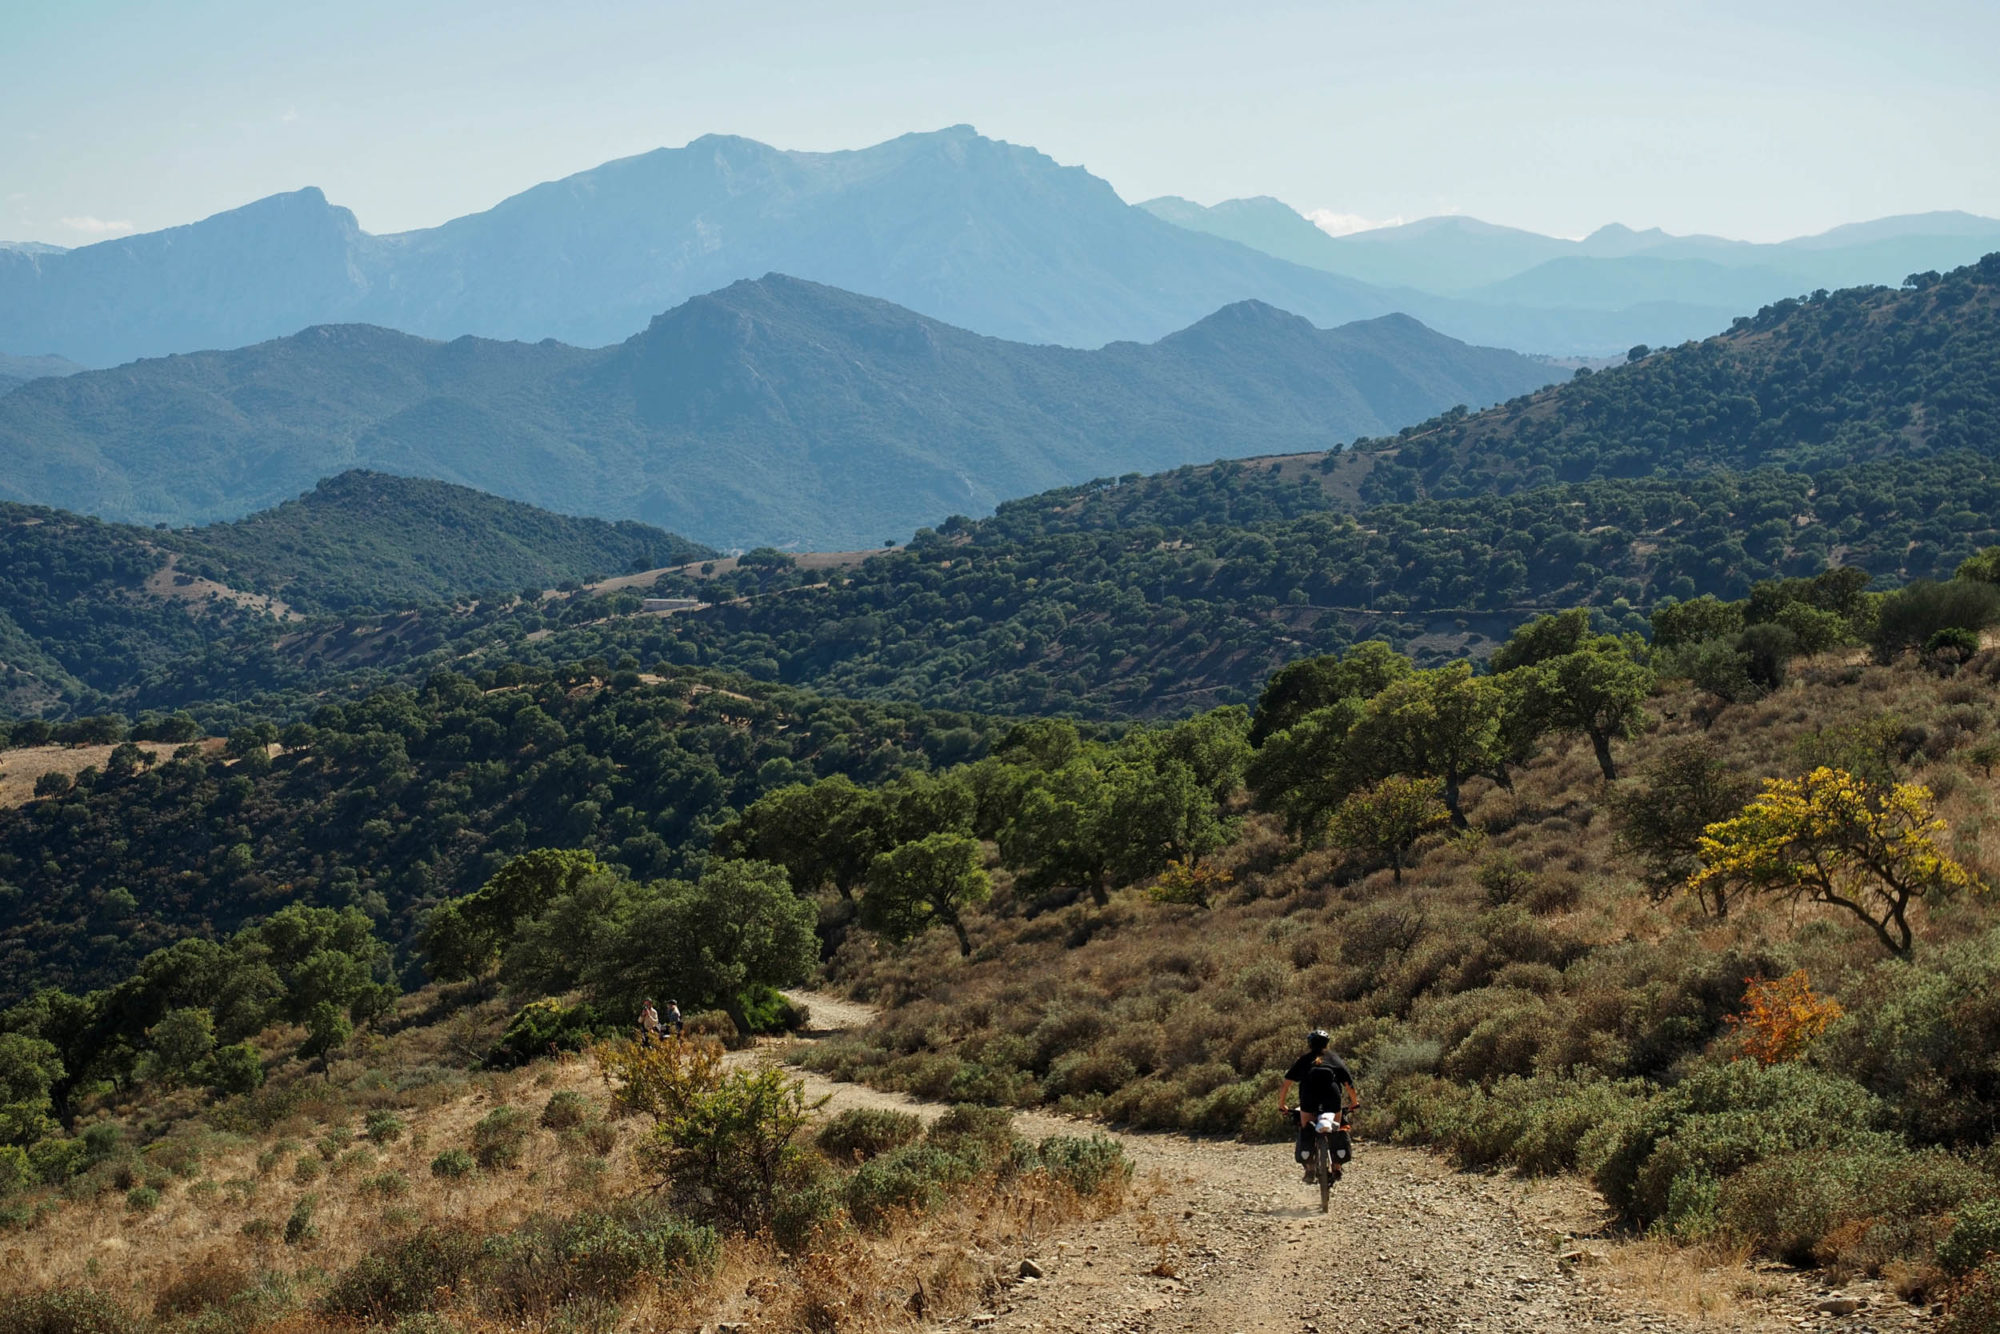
(1325, 1085)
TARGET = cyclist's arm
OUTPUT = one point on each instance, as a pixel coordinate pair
(1284, 1091)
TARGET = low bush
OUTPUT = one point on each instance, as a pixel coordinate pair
(383, 1127)
(405, 1275)
(861, 1133)
(390, 1185)
(1097, 1165)
(142, 1199)
(205, 1285)
(300, 1227)
(602, 1257)
(542, 1027)
(500, 1136)
(1974, 1238)
(64, 1310)
(806, 1208)
(453, 1165)
(1665, 1161)
(909, 1180)
(565, 1110)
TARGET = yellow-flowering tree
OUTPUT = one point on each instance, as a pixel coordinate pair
(1832, 838)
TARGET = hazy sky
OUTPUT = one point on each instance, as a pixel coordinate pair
(1751, 118)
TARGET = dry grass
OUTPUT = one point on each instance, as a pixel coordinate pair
(1704, 1284)
(220, 1225)
(20, 768)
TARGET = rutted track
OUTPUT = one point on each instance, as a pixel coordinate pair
(1225, 1239)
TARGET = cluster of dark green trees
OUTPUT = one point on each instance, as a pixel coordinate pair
(1066, 813)
(1740, 650)
(1373, 750)
(183, 1016)
(396, 799)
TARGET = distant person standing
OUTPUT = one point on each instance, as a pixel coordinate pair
(673, 1017)
(649, 1022)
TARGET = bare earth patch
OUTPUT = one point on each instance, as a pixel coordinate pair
(169, 582)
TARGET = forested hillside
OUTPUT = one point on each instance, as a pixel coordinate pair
(399, 797)
(89, 610)
(370, 540)
(1834, 379)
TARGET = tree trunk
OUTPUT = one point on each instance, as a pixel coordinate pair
(964, 941)
(1451, 802)
(1098, 893)
(1396, 864)
(1601, 743)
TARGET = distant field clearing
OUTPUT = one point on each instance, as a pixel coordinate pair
(20, 768)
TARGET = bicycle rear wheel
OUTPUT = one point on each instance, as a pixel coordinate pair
(1323, 1156)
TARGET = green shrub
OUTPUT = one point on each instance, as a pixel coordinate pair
(1721, 1119)
(601, 1257)
(16, 1171)
(912, 1179)
(300, 1228)
(234, 1069)
(766, 1010)
(866, 1132)
(142, 1200)
(500, 1136)
(453, 1165)
(405, 1275)
(1973, 1239)
(1087, 1166)
(1228, 1110)
(55, 1161)
(307, 1170)
(806, 1209)
(542, 1026)
(565, 1109)
(383, 1127)
(63, 1310)
(390, 1185)
(966, 1124)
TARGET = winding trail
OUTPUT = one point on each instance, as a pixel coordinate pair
(1225, 1239)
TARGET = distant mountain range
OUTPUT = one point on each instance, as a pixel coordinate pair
(1666, 288)
(776, 411)
(985, 235)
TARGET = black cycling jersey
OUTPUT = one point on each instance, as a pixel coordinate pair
(1319, 1077)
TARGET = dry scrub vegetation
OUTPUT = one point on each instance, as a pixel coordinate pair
(1529, 998)
(410, 1188)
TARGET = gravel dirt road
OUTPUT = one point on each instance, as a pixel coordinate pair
(1224, 1238)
